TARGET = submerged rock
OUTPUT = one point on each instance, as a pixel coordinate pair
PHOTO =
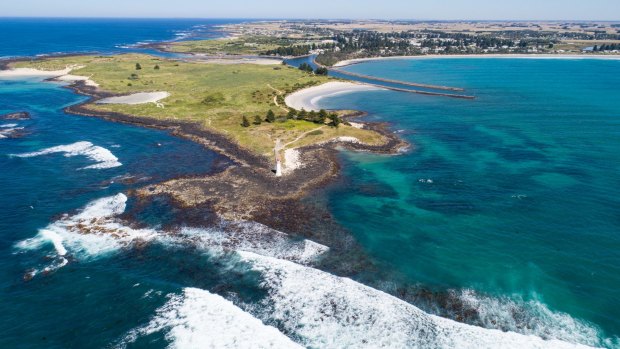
(22, 115)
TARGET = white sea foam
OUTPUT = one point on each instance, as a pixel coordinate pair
(96, 231)
(8, 130)
(199, 319)
(253, 237)
(326, 311)
(528, 317)
(102, 156)
(92, 232)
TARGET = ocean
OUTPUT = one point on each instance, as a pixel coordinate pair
(503, 214)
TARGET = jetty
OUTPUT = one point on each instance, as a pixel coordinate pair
(380, 82)
(398, 82)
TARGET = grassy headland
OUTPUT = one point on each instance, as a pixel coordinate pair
(214, 96)
(246, 45)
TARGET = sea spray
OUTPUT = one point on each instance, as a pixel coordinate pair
(200, 319)
(97, 231)
(102, 157)
(323, 310)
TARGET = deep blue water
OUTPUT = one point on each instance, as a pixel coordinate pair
(36, 36)
(509, 201)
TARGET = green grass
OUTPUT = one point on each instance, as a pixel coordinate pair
(250, 45)
(212, 95)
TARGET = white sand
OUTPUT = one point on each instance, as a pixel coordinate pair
(530, 56)
(291, 161)
(308, 98)
(136, 98)
(30, 72)
(74, 78)
(60, 75)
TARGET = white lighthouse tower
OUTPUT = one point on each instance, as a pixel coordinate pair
(278, 168)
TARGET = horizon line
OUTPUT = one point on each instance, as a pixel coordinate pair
(314, 19)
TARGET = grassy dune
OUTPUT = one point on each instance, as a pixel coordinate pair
(248, 45)
(214, 96)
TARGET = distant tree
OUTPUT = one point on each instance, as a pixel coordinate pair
(321, 71)
(322, 116)
(271, 117)
(302, 114)
(306, 67)
(245, 122)
(138, 66)
(336, 121)
(257, 120)
(312, 116)
(156, 67)
(292, 113)
(595, 48)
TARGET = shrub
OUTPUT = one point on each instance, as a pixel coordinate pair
(213, 99)
(138, 66)
(257, 120)
(245, 122)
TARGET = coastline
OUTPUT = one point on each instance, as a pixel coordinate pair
(348, 62)
(53, 75)
(308, 98)
(261, 190)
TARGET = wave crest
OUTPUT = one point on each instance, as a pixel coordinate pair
(199, 319)
(324, 310)
(102, 156)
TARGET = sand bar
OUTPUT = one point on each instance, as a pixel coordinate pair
(308, 98)
(59, 75)
(136, 98)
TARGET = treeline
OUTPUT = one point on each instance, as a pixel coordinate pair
(308, 68)
(320, 117)
(606, 47)
(297, 50)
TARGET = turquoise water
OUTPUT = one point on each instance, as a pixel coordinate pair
(515, 195)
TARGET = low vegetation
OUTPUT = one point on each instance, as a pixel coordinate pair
(217, 97)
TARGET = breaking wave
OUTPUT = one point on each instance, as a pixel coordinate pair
(102, 156)
(199, 319)
(325, 311)
(312, 307)
(530, 317)
(96, 231)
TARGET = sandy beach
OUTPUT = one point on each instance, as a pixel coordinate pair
(308, 98)
(59, 75)
(136, 98)
(526, 56)
(30, 72)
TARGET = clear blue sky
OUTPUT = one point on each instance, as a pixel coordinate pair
(380, 9)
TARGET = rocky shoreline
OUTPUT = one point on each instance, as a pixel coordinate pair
(247, 189)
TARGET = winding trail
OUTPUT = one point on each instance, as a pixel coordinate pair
(302, 136)
(275, 98)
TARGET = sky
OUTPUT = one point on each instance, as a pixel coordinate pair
(323, 9)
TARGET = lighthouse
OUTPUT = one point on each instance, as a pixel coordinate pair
(278, 168)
